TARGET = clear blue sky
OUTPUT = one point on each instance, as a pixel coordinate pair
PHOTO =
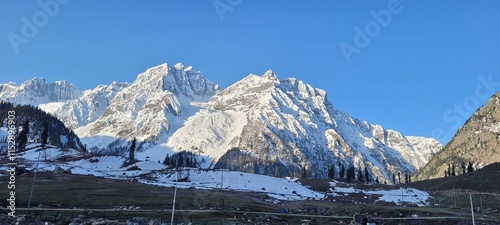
(427, 58)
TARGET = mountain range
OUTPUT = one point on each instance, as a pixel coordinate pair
(261, 124)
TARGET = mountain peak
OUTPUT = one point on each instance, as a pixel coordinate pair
(37, 91)
(35, 79)
(270, 75)
(179, 66)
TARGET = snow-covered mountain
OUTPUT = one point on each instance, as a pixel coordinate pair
(158, 101)
(260, 124)
(86, 108)
(275, 126)
(37, 91)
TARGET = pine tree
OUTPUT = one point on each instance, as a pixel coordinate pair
(399, 177)
(331, 172)
(351, 173)
(409, 178)
(449, 171)
(348, 177)
(360, 175)
(304, 172)
(376, 180)
(453, 170)
(342, 171)
(406, 178)
(470, 169)
(44, 135)
(23, 136)
(131, 156)
(367, 175)
(464, 169)
(393, 179)
(179, 160)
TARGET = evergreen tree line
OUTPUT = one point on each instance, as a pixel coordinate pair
(407, 178)
(451, 171)
(236, 159)
(38, 126)
(119, 147)
(181, 159)
(350, 173)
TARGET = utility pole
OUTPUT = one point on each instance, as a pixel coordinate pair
(173, 205)
(33, 184)
(402, 197)
(472, 210)
(481, 202)
(222, 180)
(454, 198)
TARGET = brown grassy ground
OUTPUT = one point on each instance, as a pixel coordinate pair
(88, 192)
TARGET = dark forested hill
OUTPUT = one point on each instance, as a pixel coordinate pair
(58, 134)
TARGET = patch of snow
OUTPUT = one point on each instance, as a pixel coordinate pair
(279, 188)
(209, 133)
(495, 128)
(51, 107)
(399, 196)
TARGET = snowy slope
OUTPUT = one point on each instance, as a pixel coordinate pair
(396, 196)
(86, 108)
(210, 132)
(158, 174)
(424, 148)
(155, 173)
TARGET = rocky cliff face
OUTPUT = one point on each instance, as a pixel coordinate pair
(477, 141)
